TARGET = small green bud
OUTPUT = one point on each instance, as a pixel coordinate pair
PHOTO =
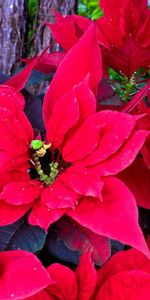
(36, 144)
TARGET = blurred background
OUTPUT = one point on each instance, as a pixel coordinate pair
(23, 32)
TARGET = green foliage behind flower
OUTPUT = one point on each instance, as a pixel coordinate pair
(32, 10)
(89, 9)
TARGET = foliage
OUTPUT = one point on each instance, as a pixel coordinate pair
(89, 9)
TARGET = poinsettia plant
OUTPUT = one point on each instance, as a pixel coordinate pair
(75, 166)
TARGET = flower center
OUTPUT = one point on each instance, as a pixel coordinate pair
(46, 168)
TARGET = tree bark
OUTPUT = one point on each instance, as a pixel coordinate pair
(13, 29)
(43, 36)
(12, 33)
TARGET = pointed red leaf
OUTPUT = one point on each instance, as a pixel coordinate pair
(118, 210)
(18, 268)
(86, 277)
(65, 114)
(41, 215)
(86, 54)
(115, 130)
(86, 100)
(43, 295)
(65, 286)
(67, 30)
(48, 62)
(124, 156)
(10, 98)
(83, 141)
(19, 80)
(137, 178)
(133, 285)
(82, 181)
(11, 213)
(20, 192)
(58, 196)
(123, 261)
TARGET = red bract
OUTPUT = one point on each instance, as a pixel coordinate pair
(87, 53)
(70, 285)
(137, 177)
(67, 30)
(84, 151)
(125, 276)
(48, 63)
(22, 275)
(124, 33)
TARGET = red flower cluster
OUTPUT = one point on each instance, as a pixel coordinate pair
(86, 150)
(123, 34)
(125, 276)
(92, 167)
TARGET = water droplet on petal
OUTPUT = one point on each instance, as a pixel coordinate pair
(35, 268)
(12, 295)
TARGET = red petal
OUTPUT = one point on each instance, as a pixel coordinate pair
(83, 182)
(48, 63)
(115, 130)
(21, 192)
(83, 141)
(86, 100)
(65, 114)
(133, 285)
(15, 124)
(125, 155)
(86, 277)
(65, 30)
(43, 295)
(19, 80)
(10, 98)
(18, 268)
(123, 261)
(11, 213)
(16, 134)
(43, 216)
(86, 54)
(137, 178)
(58, 196)
(146, 152)
(118, 210)
(128, 58)
(65, 286)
